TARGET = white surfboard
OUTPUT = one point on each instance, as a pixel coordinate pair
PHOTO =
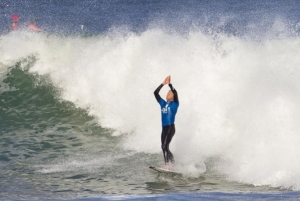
(161, 170)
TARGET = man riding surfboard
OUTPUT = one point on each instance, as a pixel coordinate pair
(168, 112)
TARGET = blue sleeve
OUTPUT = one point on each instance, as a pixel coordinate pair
(162, 102)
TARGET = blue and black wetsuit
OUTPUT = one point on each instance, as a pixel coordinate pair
(168, 112)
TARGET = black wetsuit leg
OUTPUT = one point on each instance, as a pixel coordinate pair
(166, 137)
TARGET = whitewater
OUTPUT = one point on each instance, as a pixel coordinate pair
(79, 120)
(238, 98)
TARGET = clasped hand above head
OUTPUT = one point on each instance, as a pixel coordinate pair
(167, 80)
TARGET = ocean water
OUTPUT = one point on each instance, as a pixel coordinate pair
(78, 119)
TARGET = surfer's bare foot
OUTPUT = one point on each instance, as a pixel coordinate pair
(166, 167)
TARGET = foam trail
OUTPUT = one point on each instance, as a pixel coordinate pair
(239, 99)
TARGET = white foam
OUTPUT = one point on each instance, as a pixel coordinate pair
(239, 99)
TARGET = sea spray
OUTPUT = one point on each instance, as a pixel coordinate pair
(238, 97)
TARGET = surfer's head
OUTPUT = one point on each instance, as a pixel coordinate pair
(15, 18)
(170, 96)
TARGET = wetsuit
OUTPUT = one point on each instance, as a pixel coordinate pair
(14, 26)
(168, 112)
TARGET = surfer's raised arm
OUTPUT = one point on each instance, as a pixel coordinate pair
(175, 99)
(156, 92)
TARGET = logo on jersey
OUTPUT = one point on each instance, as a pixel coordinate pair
(165, 109)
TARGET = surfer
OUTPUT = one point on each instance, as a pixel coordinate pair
(33, 27)
(14, 22)
(168, 112)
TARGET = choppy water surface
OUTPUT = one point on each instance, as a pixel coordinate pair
(78, 119)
